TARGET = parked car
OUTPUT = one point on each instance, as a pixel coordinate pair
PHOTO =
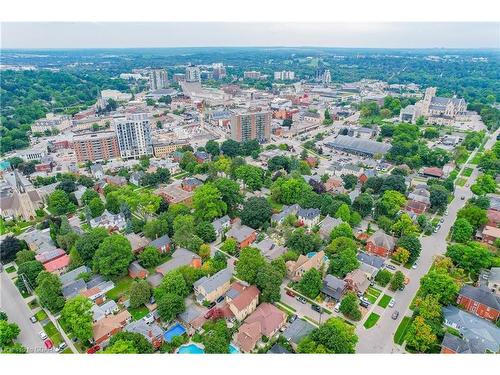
(149, 318)
(209, 313)
(462, 198)
(364, 304)
(290, 293)
(43, 335)
(316, 308)
(414, 265)
(390, 266)
(212, 304)
(292, 318)
(337, 307)
(33, 319)
(446, 213)
(301, 299)
(220, 299)
(392, 303)
(48, 344)
(61, 347)
(93, 349)
(364, 299)
(395, 315)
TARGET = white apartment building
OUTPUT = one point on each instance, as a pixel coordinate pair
(284, 75)
(193, 74)
(134, 135)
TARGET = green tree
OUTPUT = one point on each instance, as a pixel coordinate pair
(438, 197)
(349, 306)
(8, 333)
(341, 230)
(383, 277)
(334, 337)
(155, 228)
(268, 281)
(96, 207)
(30, 270)
(140, 292)
(363, 204)
(390, 203)
(473, 214)
(343, 262)
(310, 284)
(350, 181)
(397, 281)
(49, 291)
(184, 229)
(217, 337)
(251, 176)
(206, 231)
(256, 212)
(59, 203)
(87, 245)
(303, 242)
(169, 306)
(249, 264)
(10, 247)
(77, 316)
(471, 257)
(173, 283)
(15, 348)
(208, 203)
(121, 347)
(401, 255)
(230, 191)
(212, 148)
(420, 335)
(149, 257)
(461, 231)
(24, 256)
(340, 244)
(141, 345)
(412, 244)
(113, 256)
(89, 195)
(484, 184)
(440, 285)
(404, 226)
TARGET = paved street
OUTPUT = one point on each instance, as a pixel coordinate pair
(379, 339)
(18, 312)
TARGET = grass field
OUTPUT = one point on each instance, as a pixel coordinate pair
(122, 286)
(384, 301)
(371, 321)
(138, 312)
(461, 181)
(399, 336)
(10, 269)
(372, 294)
(41, 315)
(51, 331)
(467, 172)
(475, 159)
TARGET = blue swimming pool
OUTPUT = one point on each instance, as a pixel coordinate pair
(233, 349)
(174, 331)
(313, 253)
(190, 349)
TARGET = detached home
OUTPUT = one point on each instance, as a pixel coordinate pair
(209, 288)
(479, 301)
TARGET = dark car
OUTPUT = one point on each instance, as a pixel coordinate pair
(292, 318)
(395, 315)
(212, 304)
(220, 299)
(390, 266)
(316, 308)
(301, 300)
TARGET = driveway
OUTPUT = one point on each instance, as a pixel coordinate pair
(18, 312)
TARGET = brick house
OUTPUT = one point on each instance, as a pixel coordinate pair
(380, 243)
(479, 301)
(162, 244)
(151, 332)
(110, 325)
(242, 300)
(489, 234)
(244, 235)
(136, 271)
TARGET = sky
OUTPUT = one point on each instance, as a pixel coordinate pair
(216, 34)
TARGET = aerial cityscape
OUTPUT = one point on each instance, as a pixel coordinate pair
(238, 200)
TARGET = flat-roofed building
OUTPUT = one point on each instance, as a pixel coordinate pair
(96, 146)
(254, 124)
(162, 149)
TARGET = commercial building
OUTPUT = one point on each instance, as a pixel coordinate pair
(97, 146)
(193, 74)
(51, 122)
(162, 149)
(158, 79)
(134, 135)
(252, 74)
(284, 75)
(251, 125)
(359, 146)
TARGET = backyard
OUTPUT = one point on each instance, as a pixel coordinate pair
(122, 286)
(138, 312)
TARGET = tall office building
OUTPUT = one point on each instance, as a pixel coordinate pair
(134, 135)
(254, 124)
(193, 74)
(219, 71)
(96, 146)
(158, 79)
(327, 78)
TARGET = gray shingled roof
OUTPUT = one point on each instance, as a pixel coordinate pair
(333, 287)
(372, 260)
(298, 330)
(364, 146)
(213, 282)
(73, 274)
(481, 295)
(455, 343)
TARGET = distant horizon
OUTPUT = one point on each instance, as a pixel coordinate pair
(163, 35)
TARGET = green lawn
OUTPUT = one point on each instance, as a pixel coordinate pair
(51, 331)
(41, 315)
(384, 301)
(399, 336)
(138, 312)
(372, 294)
(67, 351)
(461, 181)
(476, 159)
(33, 304)
(371, 321)
(467, 172)
(10, 269)
(122, 286)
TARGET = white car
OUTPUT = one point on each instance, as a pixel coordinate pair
(414, 266)
(446, 213)
(392, 303)
(337, 307)
(43, 335)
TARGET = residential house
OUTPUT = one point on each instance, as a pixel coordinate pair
(137, 242)
(296, 331)
(180, 257)
(97, 171)
(163, 244)
(209, 288)
(433, 172)
(101, 311)
(357, 281)
(309, 216)
(335, 186)
(103, 329)
(193, 317)
(334, 287)
(151, 332)
(269, 249)
(266, 321)
(278, 349)
(73, 274)
(452, 344)
(174, 194)
(479, 301)
(242, 300)
(136, 271)
(73, 288)
(201, 156)
(135, 178)
(489, 234)
(221, 224)
(481, 335)
(109, 221)
(50, 255)
(493, 218)
(244, 235)
(285, 212)
(415, 207)
(297, 269)
(58, 265)
(493, 282)
(115, 180)
(380, 243)
(327, 225)
(494, 201)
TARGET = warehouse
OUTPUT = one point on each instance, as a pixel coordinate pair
(358, 146)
